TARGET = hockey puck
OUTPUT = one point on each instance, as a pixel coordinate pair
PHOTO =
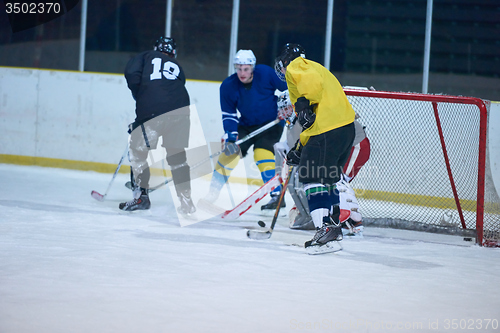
(468, 239)
(262, 224)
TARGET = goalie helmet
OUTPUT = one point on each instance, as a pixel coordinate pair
(245, 57)
(285, 108)
(284, 100)
(166, 45)
(289, 52)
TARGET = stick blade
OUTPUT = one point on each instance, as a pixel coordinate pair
(258, 234)
(96, 195)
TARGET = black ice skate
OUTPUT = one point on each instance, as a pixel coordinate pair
(273, 203)
(141, 203)
(326, 238)
(187, 206)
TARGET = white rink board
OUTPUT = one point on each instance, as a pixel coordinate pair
(84, 116)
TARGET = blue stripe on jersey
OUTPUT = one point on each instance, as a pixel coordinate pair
(224, 166)
(264, 161)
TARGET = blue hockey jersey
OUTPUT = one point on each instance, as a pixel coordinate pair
(257, 105)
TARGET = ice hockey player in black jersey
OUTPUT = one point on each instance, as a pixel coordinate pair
(157, 83)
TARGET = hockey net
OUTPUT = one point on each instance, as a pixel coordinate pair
(429, 167)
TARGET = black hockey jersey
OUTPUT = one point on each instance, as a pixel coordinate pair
(157, 83)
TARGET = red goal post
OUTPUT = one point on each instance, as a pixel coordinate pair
(429, 165)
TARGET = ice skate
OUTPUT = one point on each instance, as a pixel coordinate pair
(270, 207)
(326, 239)
(140, 203)
(327, 233)
(212, 196)
(208, 205)
(187, 206)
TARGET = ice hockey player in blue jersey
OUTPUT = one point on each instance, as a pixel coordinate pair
(251, 91)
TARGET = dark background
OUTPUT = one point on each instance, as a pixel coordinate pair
(375, 43)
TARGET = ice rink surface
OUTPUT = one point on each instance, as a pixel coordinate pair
(69, 263)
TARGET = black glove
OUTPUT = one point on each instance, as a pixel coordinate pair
(293, 156)
(305, 113)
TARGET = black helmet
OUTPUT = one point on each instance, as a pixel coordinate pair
(166, 45)
(289, 52)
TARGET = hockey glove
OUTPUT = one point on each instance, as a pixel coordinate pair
(231, 147)
(293, 156)
(305, 113)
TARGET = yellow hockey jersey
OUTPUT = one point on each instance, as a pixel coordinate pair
(306, 78)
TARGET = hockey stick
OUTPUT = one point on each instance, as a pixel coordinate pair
(238, 142)
(251, 200)
(98, 196)
(257, 234)
(256, 196)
